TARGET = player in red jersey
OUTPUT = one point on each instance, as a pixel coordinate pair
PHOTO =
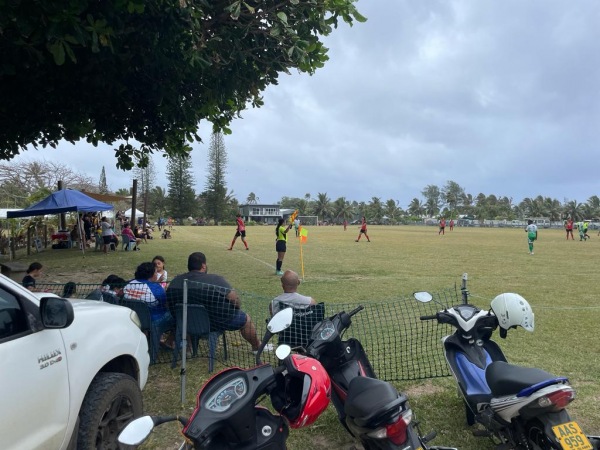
(240, 231)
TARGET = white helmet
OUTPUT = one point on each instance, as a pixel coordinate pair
(512, 310)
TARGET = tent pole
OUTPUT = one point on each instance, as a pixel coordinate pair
(81, 235)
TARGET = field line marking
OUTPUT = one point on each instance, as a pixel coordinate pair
(247, 254)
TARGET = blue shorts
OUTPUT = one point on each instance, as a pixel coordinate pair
(237, 321)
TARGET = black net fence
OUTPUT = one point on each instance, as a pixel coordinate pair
(399, 345)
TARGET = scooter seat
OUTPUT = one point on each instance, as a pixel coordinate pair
(369, 399)
(506, 379)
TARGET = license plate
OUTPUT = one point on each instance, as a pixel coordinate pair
(571, 437)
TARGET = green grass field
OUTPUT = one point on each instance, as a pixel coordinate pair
(560, 281)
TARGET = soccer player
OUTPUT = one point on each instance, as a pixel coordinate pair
(363, 230)
(442, 226)
(531, 230)
(240, 231)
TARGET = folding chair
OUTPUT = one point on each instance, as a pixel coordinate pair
(305, 319)
(198, 325)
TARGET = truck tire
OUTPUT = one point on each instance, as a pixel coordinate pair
(112, 400)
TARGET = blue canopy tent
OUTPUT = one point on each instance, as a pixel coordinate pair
(62, 201)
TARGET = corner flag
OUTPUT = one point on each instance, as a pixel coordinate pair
(303, 234)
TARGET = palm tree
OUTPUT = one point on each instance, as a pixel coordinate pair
(342, 209)
(252, 199)
(467, 204)
(376, 209)
(594, 202)
(553, 209)
(452, 194)
(158, 201)
(573, 209)
(392, 209)
(323, 206)
(416, 208)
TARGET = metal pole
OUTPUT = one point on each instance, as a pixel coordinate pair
(184, 341)
(463, 289)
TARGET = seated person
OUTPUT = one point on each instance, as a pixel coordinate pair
(139, 233)
(145, 288)
(306, 316)
(69, 289)
(74, 234)
(166, 234)
(290, 282)
(126, 231)
(111, 290)
(217, 296)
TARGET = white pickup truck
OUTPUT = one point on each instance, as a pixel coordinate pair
(71, 371)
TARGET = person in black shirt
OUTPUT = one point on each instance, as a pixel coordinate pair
(34, 271)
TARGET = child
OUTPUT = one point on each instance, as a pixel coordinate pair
(34, 271)
(160, 272)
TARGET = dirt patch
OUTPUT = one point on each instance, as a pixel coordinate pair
(425, 388)
(88, 276)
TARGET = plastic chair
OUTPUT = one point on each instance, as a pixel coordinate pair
(99, 243)
(198, 325)
(305, 319)
(127, 244)
(143, 312)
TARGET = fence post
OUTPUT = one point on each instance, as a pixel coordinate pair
(183, 340)
(463, 289)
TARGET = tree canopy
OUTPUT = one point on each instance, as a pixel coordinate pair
(146, 72)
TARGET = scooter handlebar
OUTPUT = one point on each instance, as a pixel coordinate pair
(431, 317)
(356, 310)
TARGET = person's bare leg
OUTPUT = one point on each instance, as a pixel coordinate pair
(248, 332)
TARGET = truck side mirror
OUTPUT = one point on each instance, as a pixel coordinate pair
(56, 312)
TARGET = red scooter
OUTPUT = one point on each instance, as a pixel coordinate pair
(227, 414)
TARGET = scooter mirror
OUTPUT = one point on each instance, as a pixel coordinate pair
(283, 351)
(423, 296)
(137, 431)
(281, 320)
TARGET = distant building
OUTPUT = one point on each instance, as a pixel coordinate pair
(266, 214)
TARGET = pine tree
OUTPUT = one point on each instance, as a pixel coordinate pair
(102, 186)
(216, 188)
(181, 200)
(146, 177)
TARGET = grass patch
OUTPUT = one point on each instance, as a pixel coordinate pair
(560, 282)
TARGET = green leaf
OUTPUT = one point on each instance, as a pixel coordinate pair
(70, 52)
(282, 16)
(58, 53)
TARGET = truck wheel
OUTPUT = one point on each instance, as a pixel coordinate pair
(112, 400)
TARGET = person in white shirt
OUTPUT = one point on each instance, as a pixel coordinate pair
(290, 282)
(531, 230)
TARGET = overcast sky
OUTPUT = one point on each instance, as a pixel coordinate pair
(501, 97)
